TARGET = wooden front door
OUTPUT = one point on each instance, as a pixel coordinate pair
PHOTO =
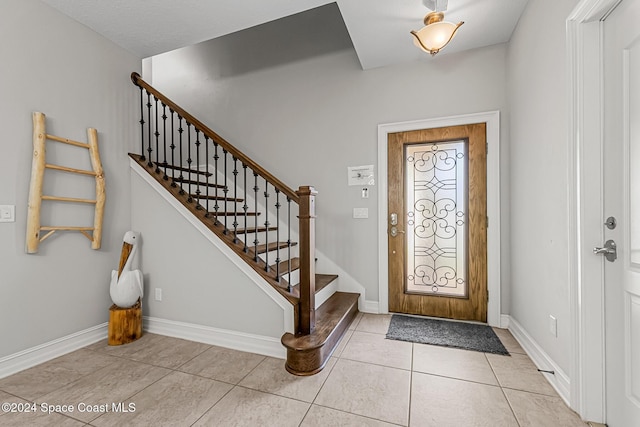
(437, 224)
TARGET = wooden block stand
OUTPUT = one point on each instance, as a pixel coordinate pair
(125, 324)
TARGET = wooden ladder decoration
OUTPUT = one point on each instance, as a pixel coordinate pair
(38, 166)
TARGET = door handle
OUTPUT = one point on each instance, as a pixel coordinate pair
(394, 231)
(609, 250)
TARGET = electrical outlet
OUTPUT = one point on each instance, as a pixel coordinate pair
(365, 193)
(553, 326)
(158, 294)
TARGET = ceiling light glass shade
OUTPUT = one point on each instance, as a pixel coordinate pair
(436, 34)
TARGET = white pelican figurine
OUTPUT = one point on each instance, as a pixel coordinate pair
(126, 287)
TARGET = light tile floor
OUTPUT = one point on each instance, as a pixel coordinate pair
(369, 381)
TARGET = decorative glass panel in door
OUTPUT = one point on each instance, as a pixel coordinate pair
(436, 227)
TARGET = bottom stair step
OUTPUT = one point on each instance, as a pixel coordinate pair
(308, 354)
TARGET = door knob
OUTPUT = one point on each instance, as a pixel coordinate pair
(609, 250)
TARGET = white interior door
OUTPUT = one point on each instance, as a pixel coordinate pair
(622, 201)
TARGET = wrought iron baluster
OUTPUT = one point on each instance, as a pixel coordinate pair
(173, 149)
(180, 130)
(215, 171)
(289, 241)
(142, 122)
(235, 196)
(149, 149)
(266, 223)
(198, 206)
(164, 137)
(157, 134)
(206, 156)
(255, 223)
(245, 207)
(189, 199)
(277, 234)
(225, 191)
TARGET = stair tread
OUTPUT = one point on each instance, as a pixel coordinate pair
(331, 316)
(284, 266)
(240, 214)
(183, 169)
(270, 247)
(215, 197)
(322, 280)
(252, 230)
(195, 182)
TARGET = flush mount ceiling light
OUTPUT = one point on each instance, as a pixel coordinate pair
(436, 33)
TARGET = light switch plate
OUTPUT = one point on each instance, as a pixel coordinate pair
(361, 213)
(7, 213)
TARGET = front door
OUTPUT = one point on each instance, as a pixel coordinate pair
(622, 201)
(437, 225)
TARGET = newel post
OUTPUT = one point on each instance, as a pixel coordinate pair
(307, 221)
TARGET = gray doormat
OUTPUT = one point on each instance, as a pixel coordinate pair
(468, 336)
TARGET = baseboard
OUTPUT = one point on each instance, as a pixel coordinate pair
(370, 307)
(559, 380)
(504, 321)
(267, 346)
(30, 357)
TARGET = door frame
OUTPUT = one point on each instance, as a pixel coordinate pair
(584, 32)
(492, 119)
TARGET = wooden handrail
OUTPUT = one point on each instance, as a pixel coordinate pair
(138, 81)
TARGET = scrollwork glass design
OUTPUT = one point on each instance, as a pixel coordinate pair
(436, 218)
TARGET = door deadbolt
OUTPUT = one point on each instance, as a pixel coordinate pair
(611, 223)
(609, 250)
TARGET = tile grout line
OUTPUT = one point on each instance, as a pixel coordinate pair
(139, 391)
(212, 406)
(357, 415)
(502, 390)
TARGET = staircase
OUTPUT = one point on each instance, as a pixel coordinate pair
(255, 214)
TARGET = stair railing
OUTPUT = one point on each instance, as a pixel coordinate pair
(171, 137)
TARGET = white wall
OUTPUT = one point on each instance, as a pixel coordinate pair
(307, 118)
(539, 208)
(78, 79)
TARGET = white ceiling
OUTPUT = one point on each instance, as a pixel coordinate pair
(379, 29)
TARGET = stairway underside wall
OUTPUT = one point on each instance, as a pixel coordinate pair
(201, 284)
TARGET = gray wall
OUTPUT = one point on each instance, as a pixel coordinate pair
(200, 285)
(539, 159)
(307, 117)
(79, 80)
